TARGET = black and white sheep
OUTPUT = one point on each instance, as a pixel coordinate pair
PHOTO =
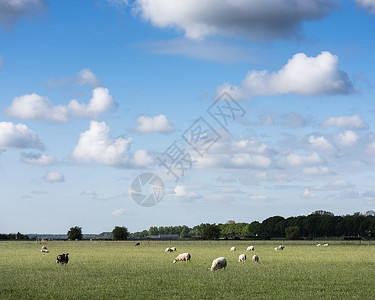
(242, 258)
(173, 249)
(255, 258)
(62, 259)
(168, 250)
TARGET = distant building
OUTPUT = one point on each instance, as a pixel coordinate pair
(164, 237)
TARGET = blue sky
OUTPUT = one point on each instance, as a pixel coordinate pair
(94, 92)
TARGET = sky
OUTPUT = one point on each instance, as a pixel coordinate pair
(213, 110)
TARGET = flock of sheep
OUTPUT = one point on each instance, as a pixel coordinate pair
(220, 262)
(217, 263)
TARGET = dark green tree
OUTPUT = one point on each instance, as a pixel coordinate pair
(211, 232)
(120, 233)
(75, 233)
(292, 232)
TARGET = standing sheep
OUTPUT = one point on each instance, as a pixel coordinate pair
(173, 249)
(232, 249)
(255, 258)
(168, 250)
(218, 263)
(182, 257)
(250, 248)
(242, 258)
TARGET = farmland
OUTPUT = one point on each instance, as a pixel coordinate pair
(120, 270)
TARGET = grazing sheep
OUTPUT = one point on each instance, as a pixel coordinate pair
(232, 249)
(242, 258)
(280, 247)
(168, 250)
(173, 249)
(218, 263)
(255, 258)
(138, 244)
(250, 248)
(319, 245)
(44, 251)
(62, 259)
(44, 248)
(325, 245)
(182, 257)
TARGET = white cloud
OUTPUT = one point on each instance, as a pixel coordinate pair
(320, 170)
(347, 139)
(118, 212)
(368, 5)
(258, 197)
(351, 122)
(12, 10)
(141, 159)
(320, 143)
(256, 19)
(308, 194)
(53, 177)
(96, 145)
(298, 160)
(158, 123)
(180, 191)
(228, 153)
(89, 193)
(18, 136)
(100, 102)
(302, 75)
(85, 76)
(335, 185)
(35, 107)
(38, 159)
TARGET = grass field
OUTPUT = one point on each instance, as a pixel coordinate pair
(120, 270)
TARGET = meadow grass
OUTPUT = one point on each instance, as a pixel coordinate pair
(120, 270)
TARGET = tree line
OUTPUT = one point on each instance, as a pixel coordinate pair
(317, 224)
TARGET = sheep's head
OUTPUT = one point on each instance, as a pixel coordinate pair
(174, 261)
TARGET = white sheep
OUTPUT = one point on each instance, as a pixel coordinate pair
(218, 263)
(182, 257)
(173, 249)
(280, 247)
(232, 249)
(319, 245)
(242, 258)
(255, 258)
(250, 248)
(168, 250)
(325, 245)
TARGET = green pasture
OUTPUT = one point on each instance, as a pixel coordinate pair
(121, 270)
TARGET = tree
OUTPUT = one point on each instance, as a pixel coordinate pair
(120, 233)
(292, 232)
(211, 232)
(75, 233)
